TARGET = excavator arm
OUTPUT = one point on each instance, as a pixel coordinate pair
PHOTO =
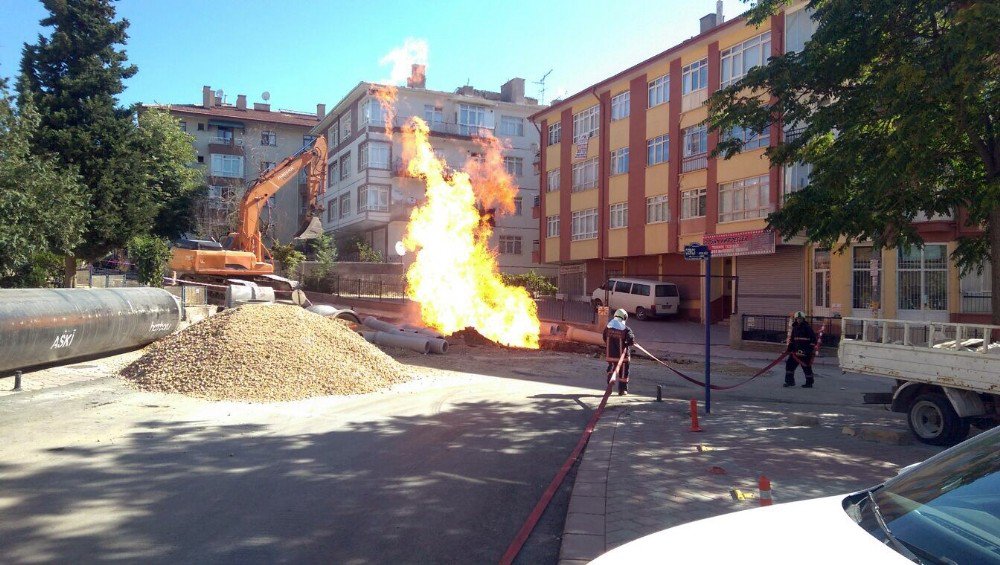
(312, 159)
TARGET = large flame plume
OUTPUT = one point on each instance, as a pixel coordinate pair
(454, 277)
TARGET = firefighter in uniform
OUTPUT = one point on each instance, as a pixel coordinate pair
(617, 339)
(801, 348)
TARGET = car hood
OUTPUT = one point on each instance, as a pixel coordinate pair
(810, 531)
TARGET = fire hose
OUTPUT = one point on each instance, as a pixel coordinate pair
(536, 513)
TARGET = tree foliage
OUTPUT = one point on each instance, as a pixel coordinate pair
(289, 257)
(41, 203)
(149, 254)
(896, 108)
(530, 281)
(325, 253)
(367, 253)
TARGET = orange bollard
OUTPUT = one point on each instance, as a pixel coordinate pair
(765, 490)
(694, 416)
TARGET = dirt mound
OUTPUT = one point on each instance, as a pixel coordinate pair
(264, 353)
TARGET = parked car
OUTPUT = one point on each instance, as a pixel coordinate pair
(943, 510)
(642, 297)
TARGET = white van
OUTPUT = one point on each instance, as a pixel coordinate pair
(642, 297)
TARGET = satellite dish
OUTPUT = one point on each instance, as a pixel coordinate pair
(400, 248)
(266, 96)
(219, 93)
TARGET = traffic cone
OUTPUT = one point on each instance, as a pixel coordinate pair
(765, 490)
(694, 416)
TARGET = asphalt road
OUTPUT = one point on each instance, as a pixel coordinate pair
(443, 470)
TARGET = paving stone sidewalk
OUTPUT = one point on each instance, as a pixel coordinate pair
(643, 471)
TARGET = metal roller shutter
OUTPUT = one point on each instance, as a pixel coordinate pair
(771, 284)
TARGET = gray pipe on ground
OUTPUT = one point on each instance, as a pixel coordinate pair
(46, 325)
(376, 324)
(438, 345)
(397, 339)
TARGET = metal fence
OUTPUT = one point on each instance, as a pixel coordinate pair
(188, 294)
(104, 278)
(566, 310)
(980, 303)
(774, 329)
(366, 288)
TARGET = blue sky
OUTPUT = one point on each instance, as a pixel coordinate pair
(307, 52)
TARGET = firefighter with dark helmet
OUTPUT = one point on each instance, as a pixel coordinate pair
(617, 339)
(801, 347)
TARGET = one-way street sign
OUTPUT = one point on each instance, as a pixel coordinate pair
(696, 252)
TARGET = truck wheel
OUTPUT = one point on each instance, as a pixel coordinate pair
(934, 421)
(641, 314)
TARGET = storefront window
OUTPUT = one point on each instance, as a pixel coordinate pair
(923, 278)
(862, 283)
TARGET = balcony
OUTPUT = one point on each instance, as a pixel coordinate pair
(225, 145)
(694, 162)
(226, 140)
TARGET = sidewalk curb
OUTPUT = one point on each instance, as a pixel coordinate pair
(584, 531)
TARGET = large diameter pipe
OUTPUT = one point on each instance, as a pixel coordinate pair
(376, 324)
(42, 326)
(438, 345)
(584, 336)
(397, 339)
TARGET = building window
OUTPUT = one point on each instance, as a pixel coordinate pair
(434, 116)
(345, 205)
(586, 123)
(694, 77)
(976, 291)
(750, 138)
(799, 28)
(620, 106)
(821, 278)
(268, 138)
(923, 278)
(331, 210)
(472, 119)
(201, 158)
(230, 166)
(266, 166)
(514, 166)
(332, 137)
(659, 90)
(518, 205)
(745, 199)
(585, 224)
(345, 165)
(373, 198)
(373, 155)
(742, 57)
(619, 161)
(215, 192)
(332, 173)
(307, 140)
(345, 126)
(585, 175)
(693, 203)
(862, 282)
(552, 179)
(511, 126)
(695, 148)
(184, 125)
(555, 133)
(510, 244)
(657, 150)
(551, 226)
(223, 135)
(619, 215)
(371, 113)
(657, 210)
(201, 127)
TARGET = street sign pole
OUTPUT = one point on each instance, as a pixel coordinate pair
(708, 332)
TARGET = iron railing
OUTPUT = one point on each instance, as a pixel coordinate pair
(566, 310)
(774, 329)
(977, 303)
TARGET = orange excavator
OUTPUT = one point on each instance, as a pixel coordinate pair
(244, 256)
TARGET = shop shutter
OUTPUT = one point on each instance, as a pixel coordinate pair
(771, 284)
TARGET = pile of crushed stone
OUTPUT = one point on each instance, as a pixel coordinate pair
(264, 353)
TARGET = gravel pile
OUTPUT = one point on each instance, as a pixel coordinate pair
(264, 353)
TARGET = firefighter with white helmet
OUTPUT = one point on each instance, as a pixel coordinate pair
(618, 337)
(801, 347)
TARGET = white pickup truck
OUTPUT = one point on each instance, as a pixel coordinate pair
(947, 375)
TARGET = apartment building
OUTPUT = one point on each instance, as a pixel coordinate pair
(370, 196)
(235, 144)
(629, 181)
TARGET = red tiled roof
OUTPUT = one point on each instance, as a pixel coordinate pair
(231, 112)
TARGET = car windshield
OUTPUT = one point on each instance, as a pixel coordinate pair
(946, 510)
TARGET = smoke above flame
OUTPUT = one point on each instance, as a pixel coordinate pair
(454, 277)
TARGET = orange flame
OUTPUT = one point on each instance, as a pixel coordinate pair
(454, 277)
(386, 96)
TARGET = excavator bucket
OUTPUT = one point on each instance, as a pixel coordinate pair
(313, 230)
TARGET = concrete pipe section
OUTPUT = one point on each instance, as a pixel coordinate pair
(397, 339)
(42, 326)
(584, 336)
(328, 311)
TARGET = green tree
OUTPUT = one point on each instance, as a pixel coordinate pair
(895, 106)
(41, 203)
(325, 253)
(167, 154)
(367, 253)
(289, 257)
(75, 75)
(149, 254)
